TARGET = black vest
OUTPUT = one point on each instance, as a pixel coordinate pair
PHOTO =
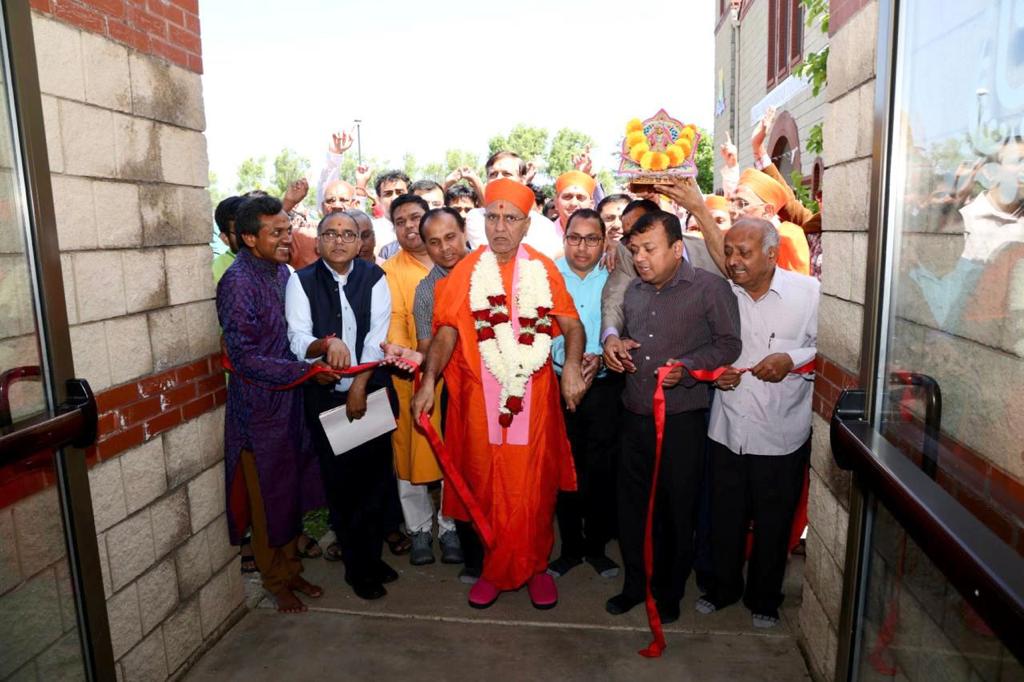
(325, 308)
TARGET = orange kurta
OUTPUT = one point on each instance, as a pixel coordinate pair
(794, 253)
(515, 485)
(414, 459)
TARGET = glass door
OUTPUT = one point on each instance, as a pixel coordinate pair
(939, 592)
(53, 621)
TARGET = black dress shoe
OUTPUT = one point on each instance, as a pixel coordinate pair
(668, 612)
(385, 573)
(367, 588)
(621, 603)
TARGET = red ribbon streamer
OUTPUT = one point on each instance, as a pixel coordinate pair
(443, 456)
(657, 646)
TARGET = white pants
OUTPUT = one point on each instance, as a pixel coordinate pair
(418, 509)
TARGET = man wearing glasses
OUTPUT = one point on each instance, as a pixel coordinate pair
(338, 310)
(585, 517)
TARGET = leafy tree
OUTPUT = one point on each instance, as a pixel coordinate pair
(252, 174)
(288, 167)
(814, 67)
(457, 158)
(566, 144)
(704, 158)
(432, 171)
(409, 165)
(802, 192)
(524, 140)
(216, 194)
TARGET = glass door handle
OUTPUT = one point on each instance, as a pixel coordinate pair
(74, 423)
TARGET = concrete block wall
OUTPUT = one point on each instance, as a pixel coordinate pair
(123, 112)
(848, 130)
(752, 61)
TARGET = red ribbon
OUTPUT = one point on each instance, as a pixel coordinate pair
(444, 458)
(657, 646)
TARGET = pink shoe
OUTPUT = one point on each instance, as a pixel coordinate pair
(483, 594)
(543, 592)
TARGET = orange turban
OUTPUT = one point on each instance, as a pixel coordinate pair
(765, 187)
(716, 202)
(575, 177)
(516, 193)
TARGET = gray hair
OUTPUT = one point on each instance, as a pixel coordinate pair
(769, 235)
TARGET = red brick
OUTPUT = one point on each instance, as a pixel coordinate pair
(120, 442)
(132, 37)
(832, 372)
(116, 397)
(192, 371)
(167, 420)
(195, 63)
(193, 409)
(221, 396)
(210, 383)
(41, 6)
(107, 424)
(1007, 492)
(190, 6)
(183, 38)
(192, 23)
(176, 397)
(79, 16)
(169, 52)
(112, 8)
(158, 383)
(167, 11)
(150, 24)
(142, 410)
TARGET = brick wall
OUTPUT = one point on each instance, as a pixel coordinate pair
(165, 28)
(123, 112)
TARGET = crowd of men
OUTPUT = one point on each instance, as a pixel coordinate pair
(532, 345)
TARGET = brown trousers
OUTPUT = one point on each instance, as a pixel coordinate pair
(278, 566)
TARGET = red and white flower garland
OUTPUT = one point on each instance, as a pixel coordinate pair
(511, 359)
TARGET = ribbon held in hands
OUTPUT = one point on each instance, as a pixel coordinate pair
(657, 646)
(444, 458)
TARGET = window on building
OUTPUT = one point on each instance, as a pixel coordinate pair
(785, 39)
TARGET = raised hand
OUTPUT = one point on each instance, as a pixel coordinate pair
(728, 150)
(296, 192)
(761, 131)
(341, 142)
(583, 162)
(683, 191)
(363, 175)
(531, 170)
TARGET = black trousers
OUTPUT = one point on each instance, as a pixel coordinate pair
(764, 489)
(682, 464)
(586, 517)
(359, 484)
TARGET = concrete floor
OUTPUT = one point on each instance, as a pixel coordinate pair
(424, 630)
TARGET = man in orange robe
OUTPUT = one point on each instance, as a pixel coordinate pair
(759, 195)
(513, 470)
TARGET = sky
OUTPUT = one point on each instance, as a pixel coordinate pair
(425, 77)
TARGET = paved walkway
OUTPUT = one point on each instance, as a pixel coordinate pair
(423, 630)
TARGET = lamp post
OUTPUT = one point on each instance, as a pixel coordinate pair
(359, 144)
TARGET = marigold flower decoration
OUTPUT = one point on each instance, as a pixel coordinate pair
(654, 148)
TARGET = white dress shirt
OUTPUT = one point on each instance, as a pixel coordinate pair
(300, 322)
(542, 235)
(760, 417)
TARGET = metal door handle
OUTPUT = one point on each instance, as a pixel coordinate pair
(74, 423)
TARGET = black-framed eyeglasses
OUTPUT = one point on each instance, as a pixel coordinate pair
(589, 240)
(346, 237)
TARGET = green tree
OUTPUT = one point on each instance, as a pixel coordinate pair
(432, 171)
(409, 165)
(252, 174)
(526, 141)
(288, 167)
(814, 67)
(457, 158)
(566, 144)
(704, 158)
(216, 194)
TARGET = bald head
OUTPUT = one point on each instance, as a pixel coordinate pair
(338, 196)
(762, 230)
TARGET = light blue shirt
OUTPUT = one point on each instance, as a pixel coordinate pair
(300, 321)
(586, 294)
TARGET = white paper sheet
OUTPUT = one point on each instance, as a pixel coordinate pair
(345, 435)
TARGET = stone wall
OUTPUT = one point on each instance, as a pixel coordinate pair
(752, 62)
(848, 130)
(129, 169)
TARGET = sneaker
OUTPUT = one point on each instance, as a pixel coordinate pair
(543, 592)
(765, 621)
(705, 606)
(562, 565)
(451, 549)
(469, 576)
(605, 567)
(421, 553)
(483, 594)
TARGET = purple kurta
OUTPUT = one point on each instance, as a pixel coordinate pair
(250, 305)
